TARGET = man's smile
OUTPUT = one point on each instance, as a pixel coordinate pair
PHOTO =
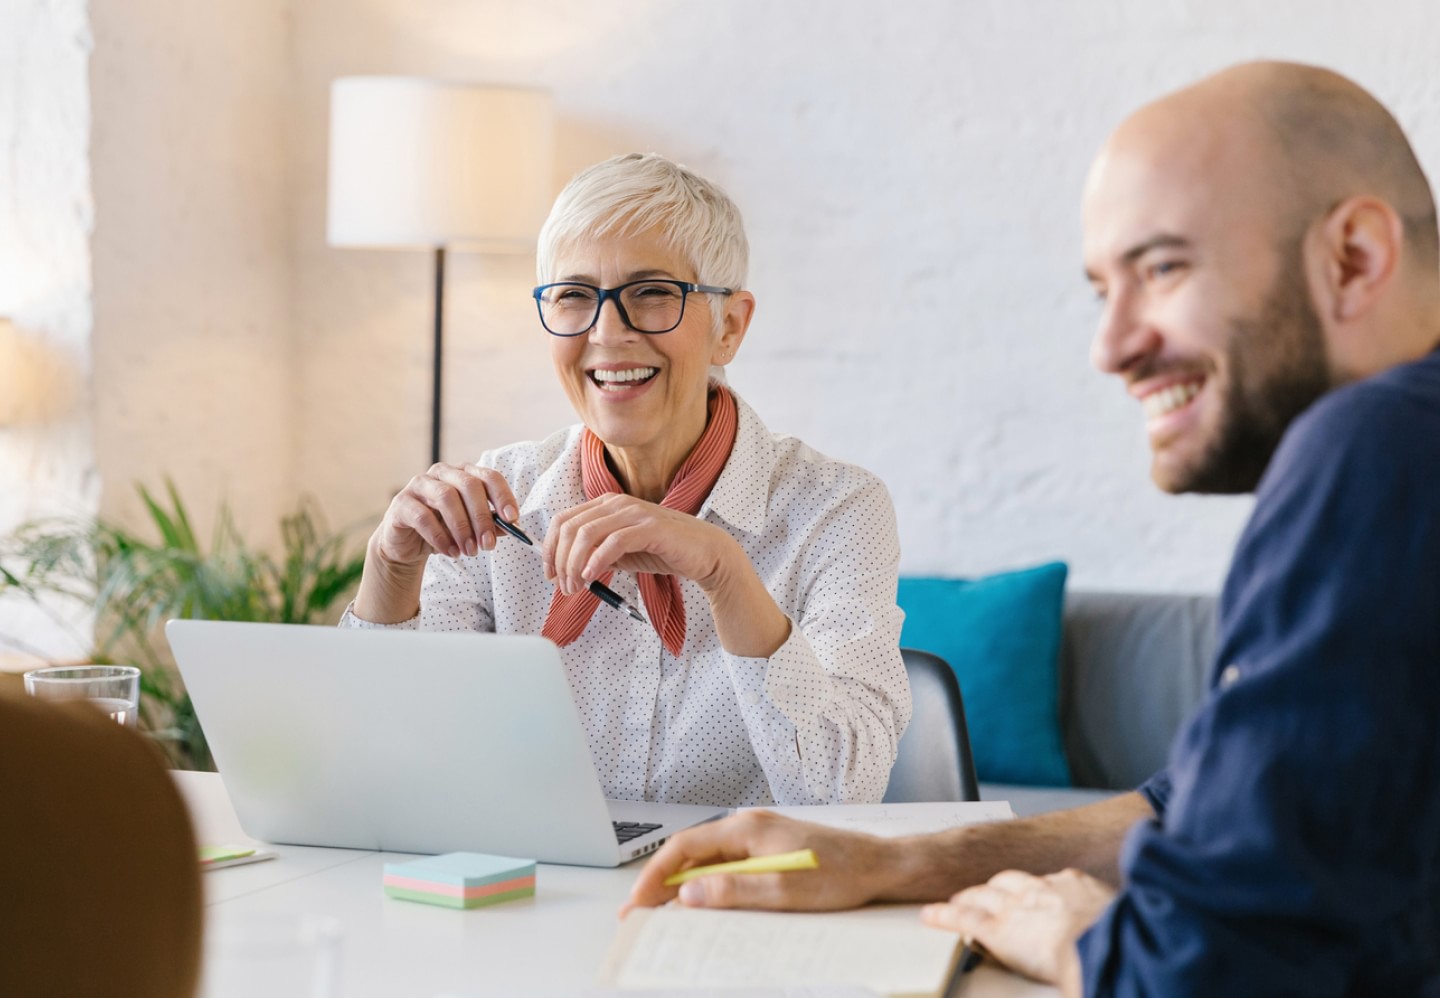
(1162, 399)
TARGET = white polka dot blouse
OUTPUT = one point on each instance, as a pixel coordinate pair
(816, 723)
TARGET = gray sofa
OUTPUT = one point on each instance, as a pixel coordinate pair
(1133, 666)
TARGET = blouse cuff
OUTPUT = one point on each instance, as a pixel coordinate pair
(349, 619)
(792, 679)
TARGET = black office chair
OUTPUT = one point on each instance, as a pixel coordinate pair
(934, 760)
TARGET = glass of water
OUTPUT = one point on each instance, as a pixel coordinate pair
(115, 689)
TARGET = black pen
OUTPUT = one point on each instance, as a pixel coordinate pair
(603, 592)
(970, 956)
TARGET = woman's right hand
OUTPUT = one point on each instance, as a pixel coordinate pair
(446, 511)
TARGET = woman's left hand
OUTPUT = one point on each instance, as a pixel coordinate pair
(619, 531)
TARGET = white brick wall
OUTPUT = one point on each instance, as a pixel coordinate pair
(47, 462)
(194, 373)
(910, 174)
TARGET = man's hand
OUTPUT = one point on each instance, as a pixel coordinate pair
(852, 866)
(1028, 923)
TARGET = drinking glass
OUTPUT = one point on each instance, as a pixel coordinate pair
(115, 689)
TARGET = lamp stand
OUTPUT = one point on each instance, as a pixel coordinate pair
(439, 354)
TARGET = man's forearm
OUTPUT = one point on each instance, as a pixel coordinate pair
(933, 867)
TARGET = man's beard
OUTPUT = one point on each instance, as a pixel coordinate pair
(1277, 366)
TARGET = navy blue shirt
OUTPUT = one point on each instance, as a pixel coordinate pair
(1297, 847)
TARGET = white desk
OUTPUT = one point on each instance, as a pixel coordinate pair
(550, 944)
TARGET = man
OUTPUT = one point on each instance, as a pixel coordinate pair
(1264, 244)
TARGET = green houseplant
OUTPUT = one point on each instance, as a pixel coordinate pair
(134, 581)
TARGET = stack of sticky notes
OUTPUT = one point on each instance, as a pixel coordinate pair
(461, 879)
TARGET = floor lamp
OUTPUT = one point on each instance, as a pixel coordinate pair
(436, 165)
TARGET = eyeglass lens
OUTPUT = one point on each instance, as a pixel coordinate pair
(647, 306)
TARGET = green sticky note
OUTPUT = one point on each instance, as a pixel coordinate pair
(216, 854)
(450, 901)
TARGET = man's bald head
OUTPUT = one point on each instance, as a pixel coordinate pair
(1256, 238)
(1316, 139)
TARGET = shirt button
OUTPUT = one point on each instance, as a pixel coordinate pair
(751, 699)
(1229, 675)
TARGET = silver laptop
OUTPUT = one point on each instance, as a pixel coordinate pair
(408, 741)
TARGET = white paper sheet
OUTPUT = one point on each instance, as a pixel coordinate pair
(674, 947)
(891, 820)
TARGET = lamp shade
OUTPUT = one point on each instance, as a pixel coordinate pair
(430, 163)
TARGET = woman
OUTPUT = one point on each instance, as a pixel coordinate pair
(769, 670)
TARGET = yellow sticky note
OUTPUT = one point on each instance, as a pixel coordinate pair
(803, 859)
(216, 854)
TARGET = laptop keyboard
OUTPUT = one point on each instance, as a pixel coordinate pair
(627, 830)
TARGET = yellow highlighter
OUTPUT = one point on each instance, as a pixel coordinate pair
(783, 862)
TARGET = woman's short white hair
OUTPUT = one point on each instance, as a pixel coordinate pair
(629, 194)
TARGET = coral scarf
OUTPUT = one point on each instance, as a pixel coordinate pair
(665, 606)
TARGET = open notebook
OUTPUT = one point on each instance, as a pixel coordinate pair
(887, 951)
(884, 949)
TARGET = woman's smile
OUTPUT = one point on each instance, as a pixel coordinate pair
(619, 382)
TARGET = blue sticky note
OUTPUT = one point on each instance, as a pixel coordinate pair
(463, 869)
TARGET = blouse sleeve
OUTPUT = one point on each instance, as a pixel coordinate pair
(826, 711)
(454, 596)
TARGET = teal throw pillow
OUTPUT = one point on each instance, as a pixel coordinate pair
(1001, 635)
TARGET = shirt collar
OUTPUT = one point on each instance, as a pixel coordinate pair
(741, 496)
